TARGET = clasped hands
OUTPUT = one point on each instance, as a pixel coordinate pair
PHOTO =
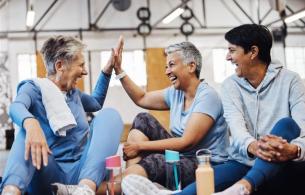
(273, 149)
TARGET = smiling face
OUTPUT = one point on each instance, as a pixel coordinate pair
(176, 70)
(72, 72)
(242, 60)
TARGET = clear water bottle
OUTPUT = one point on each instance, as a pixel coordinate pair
(204, 173)
(173, 172)
(113, 175)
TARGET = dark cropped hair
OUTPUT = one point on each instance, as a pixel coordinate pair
(249, 35)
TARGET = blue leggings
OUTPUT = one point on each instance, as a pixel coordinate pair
(106, 131)
(228, 173)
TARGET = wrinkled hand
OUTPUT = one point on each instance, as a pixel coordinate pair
(275, 149)
(253, 148)
(131, 150)
(35, 143)
(115, 58)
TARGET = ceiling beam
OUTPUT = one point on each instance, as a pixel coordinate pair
(3, 3)
(241, 9)
(89, 13)
(265, 16)
(204, 13)
(44, 14)
(102, 13)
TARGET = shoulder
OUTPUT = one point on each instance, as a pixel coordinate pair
(230, 81)
(206, 91)
(291, 74)
(171, 92)
(287, 77)
(28, 86)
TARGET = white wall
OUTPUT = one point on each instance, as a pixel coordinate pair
(73, 14)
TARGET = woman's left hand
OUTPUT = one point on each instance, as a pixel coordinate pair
(115, 57)
(276, 149)
(131, 150)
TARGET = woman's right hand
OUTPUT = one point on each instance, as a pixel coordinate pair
(118, 56)
(35, 143)
(115, 59)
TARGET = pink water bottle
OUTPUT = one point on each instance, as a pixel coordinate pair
(113, 175)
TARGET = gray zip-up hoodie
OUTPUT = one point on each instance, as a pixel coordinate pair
(251, 112)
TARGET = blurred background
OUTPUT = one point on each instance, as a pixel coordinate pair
(148, 26)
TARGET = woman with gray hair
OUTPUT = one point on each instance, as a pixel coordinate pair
(196, 121)
(55, 144)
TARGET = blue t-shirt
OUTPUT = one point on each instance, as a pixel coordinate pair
(206, 101)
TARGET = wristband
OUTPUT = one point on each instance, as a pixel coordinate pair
(121, 75)
(299, 152)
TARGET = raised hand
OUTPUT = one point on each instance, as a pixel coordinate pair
(35, 143)
(115, 57)
(118, 56)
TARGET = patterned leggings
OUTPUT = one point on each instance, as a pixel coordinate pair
(154, 162)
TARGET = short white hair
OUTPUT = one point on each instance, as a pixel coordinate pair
(188, 52)
(60, 48)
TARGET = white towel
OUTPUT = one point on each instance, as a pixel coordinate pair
(58, 113)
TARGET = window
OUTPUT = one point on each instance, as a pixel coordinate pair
(222, 67)
(295, 60)
(133, 64)
(26, 66)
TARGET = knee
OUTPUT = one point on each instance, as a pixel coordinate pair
(287, 121)
(143, 116)
(108, 115)
(141, 120)
(286, 128)
(110, 112)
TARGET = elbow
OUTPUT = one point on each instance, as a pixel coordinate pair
(139, 102)
(94, 106)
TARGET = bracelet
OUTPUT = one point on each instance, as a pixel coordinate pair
(121, 75)
(299, 152)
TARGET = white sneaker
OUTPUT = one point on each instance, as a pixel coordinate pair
(61, 189)
(236, 189)
(138, 185)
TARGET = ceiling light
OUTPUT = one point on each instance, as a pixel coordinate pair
(30, 16)
(298, 15)
(173, 15)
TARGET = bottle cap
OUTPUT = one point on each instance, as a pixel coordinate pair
(113, 161)
(203, 155)
(171, 156)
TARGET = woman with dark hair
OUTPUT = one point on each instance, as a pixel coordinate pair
(264, 106)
